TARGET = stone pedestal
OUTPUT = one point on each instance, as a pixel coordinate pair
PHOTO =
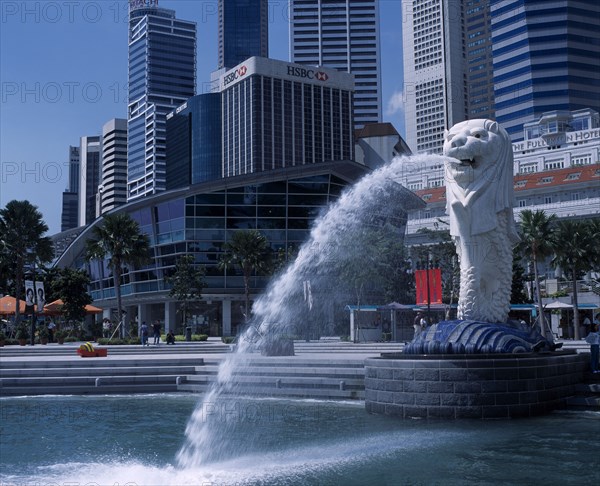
(471, 386)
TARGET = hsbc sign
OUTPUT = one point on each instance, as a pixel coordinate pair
(307, 73)
(231, 77)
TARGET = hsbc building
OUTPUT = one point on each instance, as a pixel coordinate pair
(277, 114)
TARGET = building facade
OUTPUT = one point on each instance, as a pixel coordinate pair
(435, 82)
(545, 58)
(243, 31)
(112, 191)
(89, 178)
(342, 35)
(194, 138)
(277, 114)
(70, 197)
(162, 76)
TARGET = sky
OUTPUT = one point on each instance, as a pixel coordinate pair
(63, 75)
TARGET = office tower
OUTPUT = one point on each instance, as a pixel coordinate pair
(277, 114)
(243, 31)
(545, 58)
(194, 141)
(89, 178)
(343, 35)
(70, 197)
(112, 191)
(162, 75)
(434, 74)
(480, 66)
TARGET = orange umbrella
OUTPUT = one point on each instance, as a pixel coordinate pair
(55, 308)
(8, 304)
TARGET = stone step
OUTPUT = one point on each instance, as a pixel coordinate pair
(25, 383)
(295, 371)
(77, 362)
(97, 371)
(90, 389)
(584, 402)
(247, 381)
(328, 393)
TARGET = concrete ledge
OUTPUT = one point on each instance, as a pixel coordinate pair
(471, 386)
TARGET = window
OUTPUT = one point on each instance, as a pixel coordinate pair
(573, 176)
(522, 203)
(546, 180)
(547, 199)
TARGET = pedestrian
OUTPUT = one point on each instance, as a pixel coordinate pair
(144, 333)
(593, 339)
(170, 337)
(156, 329)
(417, 324)
(51, 328)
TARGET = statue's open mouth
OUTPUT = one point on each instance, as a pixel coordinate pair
(467, 161)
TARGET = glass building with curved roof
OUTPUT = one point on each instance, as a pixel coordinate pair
(198, 220)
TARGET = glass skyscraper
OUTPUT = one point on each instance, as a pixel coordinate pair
(194, 133)
(243, 31)
(343, 35)
(162, 75)
(545, 58)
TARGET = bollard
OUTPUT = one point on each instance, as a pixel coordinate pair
(98, 382)
(342, 385)
(179, 380)
(278, 383)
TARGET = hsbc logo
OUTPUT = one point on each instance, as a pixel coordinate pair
(307, 73)
(238, 73)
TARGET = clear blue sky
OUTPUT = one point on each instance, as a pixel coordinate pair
(63, 74)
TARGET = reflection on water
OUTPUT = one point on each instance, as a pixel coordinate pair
(134, 440)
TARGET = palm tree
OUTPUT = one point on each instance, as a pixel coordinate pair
(118, 237)
(575, 251)
(248, 249)
(22, 242)
(187, 282)
(536, 244)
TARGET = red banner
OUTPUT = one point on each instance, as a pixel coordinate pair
(435, 286)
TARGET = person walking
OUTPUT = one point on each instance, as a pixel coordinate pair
(156, 330)
(593, 339)
(418, 323)
(144, 333)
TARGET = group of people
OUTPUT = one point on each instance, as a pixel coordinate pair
(156, 334)
(420, 323)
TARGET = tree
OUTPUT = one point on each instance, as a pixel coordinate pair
(71, 285)
(23, 243)
(187, 283)
(118, 237)
(517, 290)
(575, 251)
(536, 244)
(250, 251)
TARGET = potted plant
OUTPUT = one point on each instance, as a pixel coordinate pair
(22, 334)
(60, 336)
(43, 334)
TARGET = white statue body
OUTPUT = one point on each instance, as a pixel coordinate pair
(479, 201)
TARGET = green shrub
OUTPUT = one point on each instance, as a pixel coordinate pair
(228, 339)
(71, 339)
(11, 342)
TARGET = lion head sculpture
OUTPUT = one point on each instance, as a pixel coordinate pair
(479, 170)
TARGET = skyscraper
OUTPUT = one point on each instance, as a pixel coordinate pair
(343, 35)
(435, 87)
(162, 75)
(545, 58)
(70, 197)
(194, 139)
(112, 191)
(243, 31)
(89, 178)
(277, 114)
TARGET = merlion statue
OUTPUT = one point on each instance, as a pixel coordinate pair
(479, 201)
